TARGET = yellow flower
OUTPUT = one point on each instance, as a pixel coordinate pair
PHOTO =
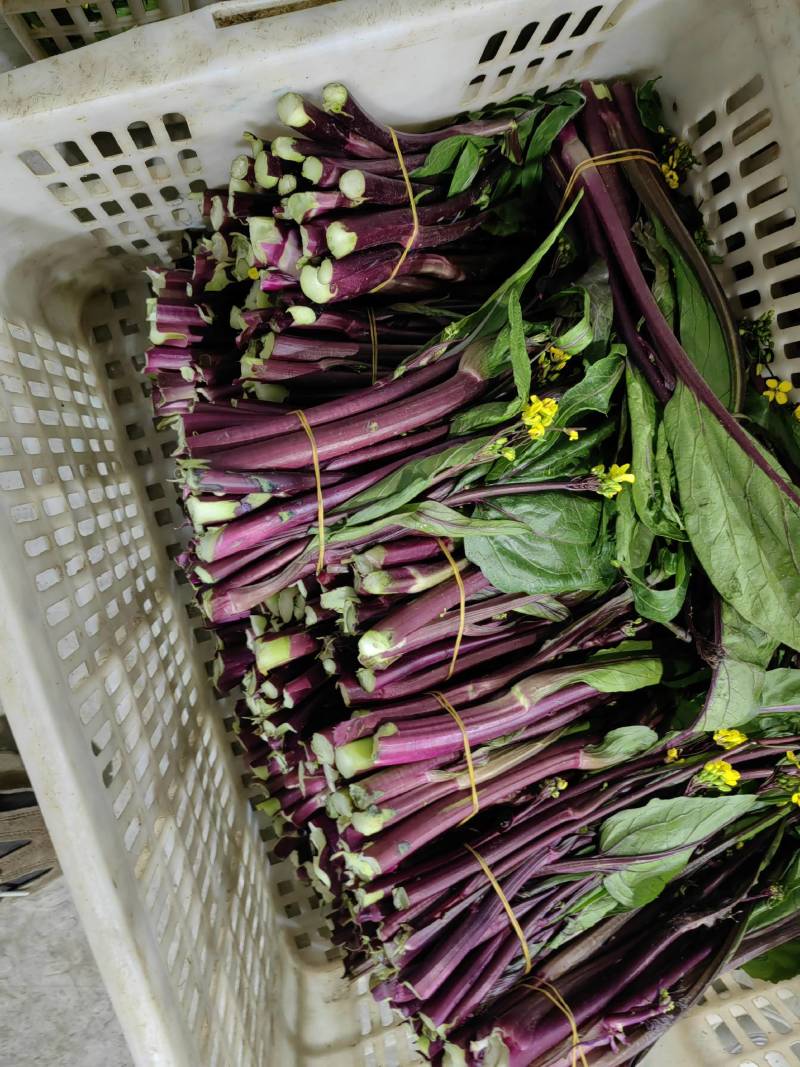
(796, 799)
(777, 390)
(573, 435)
(253, 274)
(672, 755)
(790, 756)
(539, 414)
(612, 481)
(561, 783)
(729, 738)
(670, 176)
(718, 774)
(796, 412)
(509, 453)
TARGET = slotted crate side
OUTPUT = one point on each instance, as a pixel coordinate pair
(94, 190)
(46, 27)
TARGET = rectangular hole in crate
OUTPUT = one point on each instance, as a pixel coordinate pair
(524, 37)
(750, 127)
(778, 256)
(83, 214)
(492, 46)
(759, 159)
(62, 192)
(785, 287)
(742, 96)
(141, 135)
(35, 162)
(555, 28)
(188, 160)
(71, 153)
(781, 220)
(94, 184)
(158, 168)
(586, 21)
(176, 126)
(126, 176)
(767, 191)
(788, 319)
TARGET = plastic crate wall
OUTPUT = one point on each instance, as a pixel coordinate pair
(47, 27)
(211, 956)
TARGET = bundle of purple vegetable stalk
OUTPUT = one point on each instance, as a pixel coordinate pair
(495, 520)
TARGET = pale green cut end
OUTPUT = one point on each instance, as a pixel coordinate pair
(262, 173)
(376, 582)
(217, 214)
(340, 241)
(313, 288)
(323, 749)
(356, 757)
(263, 230)
(373, 646)
(206, 545)
(209, 512)
(158, 280)
(273, 653)
(369, 823)
(312, 169)
(287, 183)
(292, 111)
(298, 205)
(239, 185)
(302, 315)
(334, 98)
(353, 183)
(284, 148)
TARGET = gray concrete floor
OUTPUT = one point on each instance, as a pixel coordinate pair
(54, 1010)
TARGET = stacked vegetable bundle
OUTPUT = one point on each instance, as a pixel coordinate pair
(507, 572)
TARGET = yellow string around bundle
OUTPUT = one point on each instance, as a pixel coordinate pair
(515, 926)
(414, 217)
(473, 785)
(373, 340)
(606, 159)
(318, 478)
(547, 989)
(462, 604)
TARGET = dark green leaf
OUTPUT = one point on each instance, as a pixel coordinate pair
(586, 913)
(778, 964)
(565, 457)
(469, 163)
(700, 332)
(441, 156)
(626, 741)
(662, 282)
(660, 825)
(634, 542)
(781, 688)
(621, 675)
(562, 549)
(648, 101)
(488, 414)
(743, 528)
(642, 882)
(784, 901)
(737, 680)
(566, 106)
(780, 425)
(410, 480)
(520, 360)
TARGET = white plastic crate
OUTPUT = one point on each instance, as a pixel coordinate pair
(47, 27)
(212, 957)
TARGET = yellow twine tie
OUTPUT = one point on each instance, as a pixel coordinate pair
(414, 217)
(504, 901)
(607, 159)
(318, 478)
(555, 998)
(473, 785)
(373, 340)
(462, 604)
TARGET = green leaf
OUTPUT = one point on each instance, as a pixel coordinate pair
(565, 457)
(441, 156)
(738, 678)
(626, 741)
(482, 415)
(783, 903)
(586, 913)
(429, 517)
(520, 360)
(624, 676)
(642, 882)
(780, 426)
(781, 688)
(469, 163)
(562, 548)
(662, 282)
(410, 480)
(700, 332)
(634, 541)
(743, 528)
(566, 105)
(648, 101)
(660, 825)
(545, 607)
(651, 491)
(779, 964)
(492, 314)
